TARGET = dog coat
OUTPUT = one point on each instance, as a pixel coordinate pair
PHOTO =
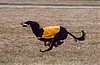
(50, 31)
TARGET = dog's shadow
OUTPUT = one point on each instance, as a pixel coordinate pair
(95, 43)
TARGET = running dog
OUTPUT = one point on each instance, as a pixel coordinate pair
(52, 34)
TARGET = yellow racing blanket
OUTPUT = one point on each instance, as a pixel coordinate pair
(50, 31)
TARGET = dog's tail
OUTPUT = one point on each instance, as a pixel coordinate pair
(82, 38)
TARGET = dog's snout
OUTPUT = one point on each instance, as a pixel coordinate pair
(24, 25)
(21, 23)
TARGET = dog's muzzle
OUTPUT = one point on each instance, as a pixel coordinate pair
(24, 25)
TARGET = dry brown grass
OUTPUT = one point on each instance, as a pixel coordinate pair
(52, 2)
(18, 45)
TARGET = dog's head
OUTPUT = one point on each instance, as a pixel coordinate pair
(30, 23)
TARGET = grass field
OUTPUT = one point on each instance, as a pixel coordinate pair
(18, 45)
(51, 2)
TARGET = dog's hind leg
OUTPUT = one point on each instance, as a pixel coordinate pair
(58, 43)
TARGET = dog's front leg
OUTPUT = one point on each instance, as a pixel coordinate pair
(46, 44)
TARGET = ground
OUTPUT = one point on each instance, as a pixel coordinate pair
(19, 46)
(51, 2)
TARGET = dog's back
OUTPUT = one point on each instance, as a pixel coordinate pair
(50, 31)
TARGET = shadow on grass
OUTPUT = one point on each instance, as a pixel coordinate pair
(95, 43)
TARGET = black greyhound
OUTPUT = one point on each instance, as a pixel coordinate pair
(51, 34)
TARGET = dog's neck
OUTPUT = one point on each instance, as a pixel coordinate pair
(37, 31)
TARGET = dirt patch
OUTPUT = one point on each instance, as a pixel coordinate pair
(18, 45)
